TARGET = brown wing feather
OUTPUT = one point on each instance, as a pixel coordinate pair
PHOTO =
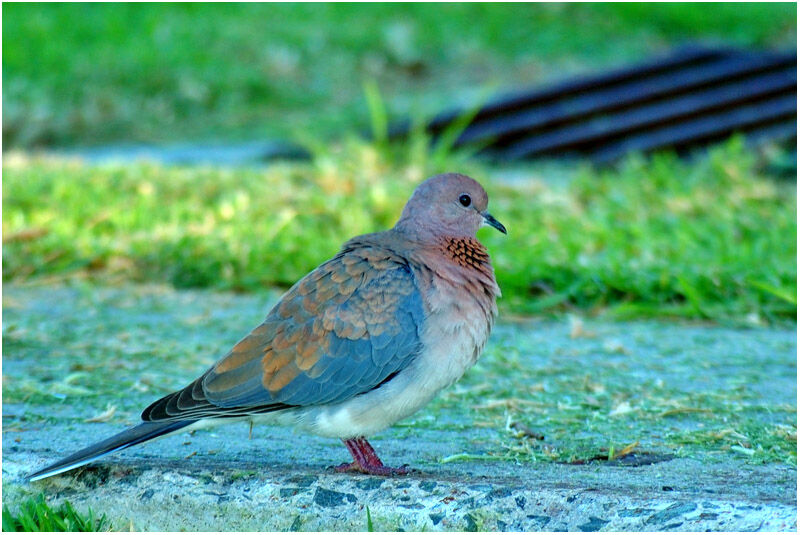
(340, 331)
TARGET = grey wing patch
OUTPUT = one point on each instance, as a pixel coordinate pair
(354, 366)
(336, 335)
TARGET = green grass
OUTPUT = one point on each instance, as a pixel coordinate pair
(711, 239)
(35, 514)
(370, 526)
(98, 73)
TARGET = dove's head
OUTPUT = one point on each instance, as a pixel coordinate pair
(447, 205)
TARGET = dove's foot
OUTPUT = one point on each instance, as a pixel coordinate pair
(366, 461)
(373, 470)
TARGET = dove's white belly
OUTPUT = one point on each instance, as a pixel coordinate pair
(452, 340)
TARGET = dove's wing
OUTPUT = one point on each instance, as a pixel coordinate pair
(344, 329)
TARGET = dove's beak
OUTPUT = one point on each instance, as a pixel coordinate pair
(488, 219)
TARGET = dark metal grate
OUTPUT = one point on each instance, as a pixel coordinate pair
(692, 97)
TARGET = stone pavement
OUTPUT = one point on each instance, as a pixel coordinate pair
(280, 481)
(222, 479)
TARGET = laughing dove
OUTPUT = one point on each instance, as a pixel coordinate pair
(364, 340)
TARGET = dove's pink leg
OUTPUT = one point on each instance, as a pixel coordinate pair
(366, 461)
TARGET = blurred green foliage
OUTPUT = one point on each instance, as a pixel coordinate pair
(708, 239)
(95, 73)
(660, 236)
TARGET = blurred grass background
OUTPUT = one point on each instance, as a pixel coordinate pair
(713, 237)
(78, 74)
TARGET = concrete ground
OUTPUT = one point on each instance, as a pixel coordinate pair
(69, 351)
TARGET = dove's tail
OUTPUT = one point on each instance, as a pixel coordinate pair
(130, 437)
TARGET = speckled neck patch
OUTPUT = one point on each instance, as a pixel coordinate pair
(467, 252)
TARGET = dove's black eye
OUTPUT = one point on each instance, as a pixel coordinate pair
(465, 200)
